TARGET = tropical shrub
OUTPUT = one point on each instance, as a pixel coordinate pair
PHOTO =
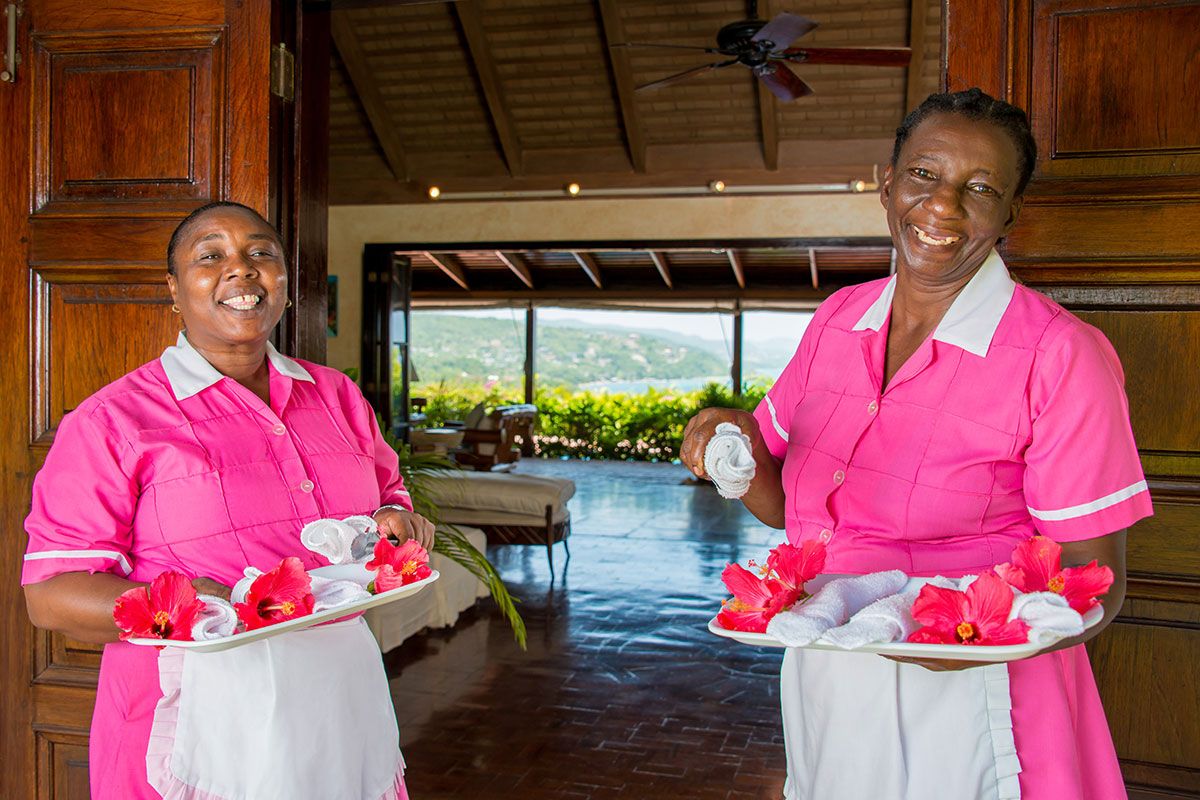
(579, 424)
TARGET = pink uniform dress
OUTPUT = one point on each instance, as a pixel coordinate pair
(1009, 421)
(176, 467)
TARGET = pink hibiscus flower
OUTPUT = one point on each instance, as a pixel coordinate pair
(1036, 566)
(398, 566)
(977, 616)
(164, 610)
(279, 595)
(757, 598)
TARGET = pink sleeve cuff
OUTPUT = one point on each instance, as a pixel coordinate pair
(45, 565)
(773, 432)
(1115, 512)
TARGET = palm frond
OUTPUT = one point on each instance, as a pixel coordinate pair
(450, 541)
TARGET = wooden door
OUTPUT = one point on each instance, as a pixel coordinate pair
(1112, 88)
(124, 116)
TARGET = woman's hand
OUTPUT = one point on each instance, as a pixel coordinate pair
(701, 428)
(405, 525)
(211, 587)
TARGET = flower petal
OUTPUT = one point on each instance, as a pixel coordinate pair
(1040, 559)
(132, 614)
(745, 585)
(748, 621)
(939, 609)
(1083, 585)
(794, 565)
(989, 600)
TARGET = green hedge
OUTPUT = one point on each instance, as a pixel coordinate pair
(635, 427)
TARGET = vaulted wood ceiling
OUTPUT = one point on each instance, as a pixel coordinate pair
(495, 95)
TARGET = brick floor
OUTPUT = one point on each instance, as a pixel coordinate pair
(622, 692)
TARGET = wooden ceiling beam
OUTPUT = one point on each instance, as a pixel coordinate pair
(916, 42)
(664, 269)
(517, 264)
(446, 263)
(618, 60)
(768, 110)
(739, 272)
(362, 79)
(590, 267)
(471, 20)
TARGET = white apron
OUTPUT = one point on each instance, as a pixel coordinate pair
(306, 715)
(857, 726)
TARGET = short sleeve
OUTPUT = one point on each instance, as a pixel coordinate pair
(1083, 477)
(774, 413)
(84, 502)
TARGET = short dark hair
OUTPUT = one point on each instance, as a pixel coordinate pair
(183, 226)
(975, 104)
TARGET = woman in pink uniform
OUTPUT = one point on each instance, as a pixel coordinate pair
(929, 422)
(206, 461)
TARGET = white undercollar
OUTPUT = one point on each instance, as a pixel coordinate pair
(189, 373)
(971, 320)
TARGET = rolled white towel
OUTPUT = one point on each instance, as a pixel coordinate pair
(832, 605)
(729, 461)
(1048, 615)
(888, 619)
(238, 595)
(334, 593)
(332, 538)
(363, 546)
(215, 621)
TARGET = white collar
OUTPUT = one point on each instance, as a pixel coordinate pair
(189, 373)
(971, 320)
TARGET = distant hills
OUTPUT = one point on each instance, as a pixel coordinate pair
(457, 348)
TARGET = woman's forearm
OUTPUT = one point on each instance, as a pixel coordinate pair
(78, 604)
(765, 498)
(1108, 551)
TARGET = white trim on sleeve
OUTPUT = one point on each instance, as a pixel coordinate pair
(774, 419)
(112, 555)
(1058, 514)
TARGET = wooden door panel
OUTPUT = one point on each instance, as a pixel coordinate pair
(60, 660)
(128, 117)
(62, 757)
(86, 341)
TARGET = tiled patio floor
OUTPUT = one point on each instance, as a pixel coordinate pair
(622, 692)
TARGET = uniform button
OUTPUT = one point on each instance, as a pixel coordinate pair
(872, 407)
(839, 476)
(306, 486)
(826, 535)
(279, 430)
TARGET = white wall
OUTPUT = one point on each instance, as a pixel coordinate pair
(351, 227)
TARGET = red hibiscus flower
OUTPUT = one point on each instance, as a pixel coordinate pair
(398, 566)
(977, 616)
(795, 566)
(283, 593)
(757, 598)
(164, 610)
(1036, 566)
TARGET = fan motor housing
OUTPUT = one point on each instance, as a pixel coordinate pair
(734, 38)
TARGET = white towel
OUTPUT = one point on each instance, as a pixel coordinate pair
(1048, 615)
(331, 538)
(334, 593)
(215, 621)
(729, 461)
(238, 595)
(888, 619)
(832, 605)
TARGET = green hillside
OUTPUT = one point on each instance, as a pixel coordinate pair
(451, 348)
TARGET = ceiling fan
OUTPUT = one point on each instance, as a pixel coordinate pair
(765, 47)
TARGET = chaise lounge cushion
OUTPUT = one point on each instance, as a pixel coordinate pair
(499, 498)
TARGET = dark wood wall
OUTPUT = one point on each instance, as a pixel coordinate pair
(1109, 229)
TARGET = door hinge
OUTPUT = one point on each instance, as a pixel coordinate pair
(283, 73)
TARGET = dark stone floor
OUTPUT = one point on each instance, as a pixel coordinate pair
(622, 693)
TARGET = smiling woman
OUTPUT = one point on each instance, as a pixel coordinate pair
(206, 461)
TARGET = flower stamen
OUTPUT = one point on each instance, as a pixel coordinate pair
(965, 631)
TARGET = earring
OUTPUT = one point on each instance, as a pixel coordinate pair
(175, 308)
(288, 304)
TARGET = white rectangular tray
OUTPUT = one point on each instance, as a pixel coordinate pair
(347, 572)
(957, 652)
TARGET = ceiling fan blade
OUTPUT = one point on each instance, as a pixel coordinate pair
(672, 46)
(680, 76)
(783, 30)
(861, 56)
(782, 82)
